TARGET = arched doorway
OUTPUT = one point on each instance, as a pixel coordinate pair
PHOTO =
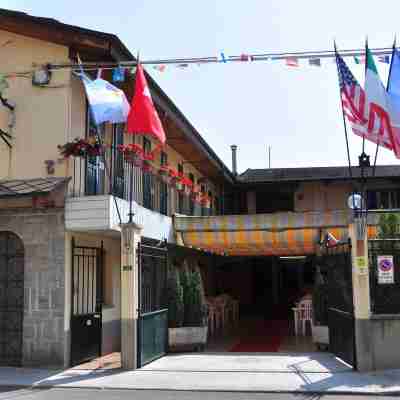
(11, 298)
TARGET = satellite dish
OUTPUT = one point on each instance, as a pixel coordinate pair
(354, 201)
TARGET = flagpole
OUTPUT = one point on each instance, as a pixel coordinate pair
(343, 116)
(131, 214)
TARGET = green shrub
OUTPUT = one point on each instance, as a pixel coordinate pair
(388, 226)
(175, 299)
(195, 309)
(320, 299)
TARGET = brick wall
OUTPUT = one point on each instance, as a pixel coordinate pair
(43, 235)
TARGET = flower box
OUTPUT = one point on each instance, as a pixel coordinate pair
(81, 148)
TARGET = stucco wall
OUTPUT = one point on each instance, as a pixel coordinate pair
(385, 334)
(42, 116)
(42, 233)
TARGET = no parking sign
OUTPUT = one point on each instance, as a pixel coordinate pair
(385, 269)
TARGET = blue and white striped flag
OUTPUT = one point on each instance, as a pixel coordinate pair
(107, 102)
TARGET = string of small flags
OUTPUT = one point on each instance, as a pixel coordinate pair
(118, 73)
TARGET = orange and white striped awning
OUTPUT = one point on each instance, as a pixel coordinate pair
(279, 234)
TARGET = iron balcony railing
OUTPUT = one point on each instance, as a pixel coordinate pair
(111, 174)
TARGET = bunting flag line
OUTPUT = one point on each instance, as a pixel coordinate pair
(316, 62)
(246, 57)
(384, 59)
(222, 57)
(359, 60)
(292, 62)
(160, 67)
(118, 74)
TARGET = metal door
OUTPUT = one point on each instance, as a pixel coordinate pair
(86, 303)
(153, 313)
(338, 268)
(11, 299)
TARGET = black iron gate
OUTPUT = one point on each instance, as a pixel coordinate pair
(86, 303)
(153, 313)
(11, 299)
(337, 265)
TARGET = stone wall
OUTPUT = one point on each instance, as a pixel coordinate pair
(43, 234)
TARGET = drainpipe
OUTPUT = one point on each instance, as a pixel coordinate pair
(234, 159)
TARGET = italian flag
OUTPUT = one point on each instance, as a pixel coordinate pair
(378, 108)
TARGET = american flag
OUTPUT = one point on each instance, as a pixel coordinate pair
(355, 106)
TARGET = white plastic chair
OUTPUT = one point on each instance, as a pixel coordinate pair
(304, 314)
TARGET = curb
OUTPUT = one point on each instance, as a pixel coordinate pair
(40, 386)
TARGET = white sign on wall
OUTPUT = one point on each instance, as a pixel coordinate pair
(385, 269)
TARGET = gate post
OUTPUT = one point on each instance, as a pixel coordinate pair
(361, 295)
(130, 238)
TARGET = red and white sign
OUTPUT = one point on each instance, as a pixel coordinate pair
(385, 269)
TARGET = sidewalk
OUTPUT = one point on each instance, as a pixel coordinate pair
(308, 373)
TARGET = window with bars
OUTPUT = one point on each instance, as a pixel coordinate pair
(383, 199)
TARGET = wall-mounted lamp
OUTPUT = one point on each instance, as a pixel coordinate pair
(41, 76)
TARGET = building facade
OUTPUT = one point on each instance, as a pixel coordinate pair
(61, 243)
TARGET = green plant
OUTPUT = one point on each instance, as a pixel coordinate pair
(320, 299)
(174, 299)
(194, 303)
(388, 227)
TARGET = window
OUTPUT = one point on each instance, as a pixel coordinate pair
(385, 199)
(148, 184)
(95, 171)
(163, 187)
(181, 199)
(118, 161)
(191, 201)
(164, 158)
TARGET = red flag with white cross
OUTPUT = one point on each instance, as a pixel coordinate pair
(143, 118)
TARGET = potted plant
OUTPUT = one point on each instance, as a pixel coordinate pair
(80, 147)
(193, 334)
(133, 153)
(320, 330)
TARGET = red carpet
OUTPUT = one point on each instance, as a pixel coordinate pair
(263, 336)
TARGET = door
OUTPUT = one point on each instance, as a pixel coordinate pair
(11, 299)
(338, 269)
(86, 303)
(153, 312)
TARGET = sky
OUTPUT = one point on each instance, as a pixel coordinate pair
(253, 105)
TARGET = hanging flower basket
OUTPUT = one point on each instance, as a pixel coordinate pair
(187, 185)
(133, 154)
(205, 201)
(163, 170)
(81, 148)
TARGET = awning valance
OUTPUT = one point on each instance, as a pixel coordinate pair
(264, 234)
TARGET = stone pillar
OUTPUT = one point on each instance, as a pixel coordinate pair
(130, 238)
(361, 297)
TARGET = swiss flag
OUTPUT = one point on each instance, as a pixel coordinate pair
(143, 117)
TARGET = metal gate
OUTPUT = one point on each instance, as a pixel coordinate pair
(153, 313)
(86, 303)
(11, 299)
(338, 269)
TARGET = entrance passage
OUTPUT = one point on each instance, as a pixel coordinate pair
(153, 313)
(86, 303)
(267, 289)
(11, 299)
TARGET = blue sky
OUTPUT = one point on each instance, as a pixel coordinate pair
(253, 105)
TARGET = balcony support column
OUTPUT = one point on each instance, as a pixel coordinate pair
(131, 234)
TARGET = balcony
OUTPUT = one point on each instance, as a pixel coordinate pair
(99, 195)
